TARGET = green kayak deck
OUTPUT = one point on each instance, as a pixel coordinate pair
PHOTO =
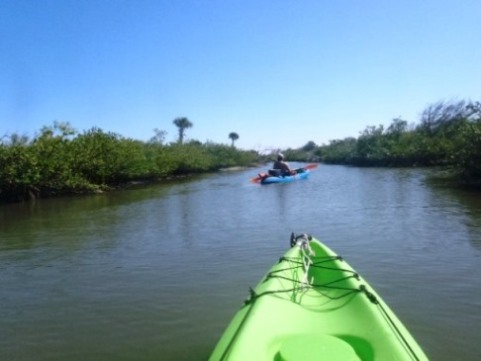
(312, 305)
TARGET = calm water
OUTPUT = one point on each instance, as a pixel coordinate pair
(157, 273)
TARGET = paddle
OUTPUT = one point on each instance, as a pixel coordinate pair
(309, 166)
(258, 178)
(263, 175)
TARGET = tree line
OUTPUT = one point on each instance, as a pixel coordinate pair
(448, 134)
(60, 160)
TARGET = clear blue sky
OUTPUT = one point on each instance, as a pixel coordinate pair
(278, 72)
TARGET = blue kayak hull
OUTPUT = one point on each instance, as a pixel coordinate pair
(285, 179)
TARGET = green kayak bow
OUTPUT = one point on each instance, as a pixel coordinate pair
(312, 305)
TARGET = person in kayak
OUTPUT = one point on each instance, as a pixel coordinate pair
(282, 165)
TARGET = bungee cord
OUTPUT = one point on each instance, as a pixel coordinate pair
(300, 263)
(332, 289)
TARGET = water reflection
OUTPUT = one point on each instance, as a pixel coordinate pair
(280, 200)
(465, 205)
(163, 268)
(82, 216)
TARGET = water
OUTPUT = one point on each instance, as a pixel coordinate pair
(156, 273)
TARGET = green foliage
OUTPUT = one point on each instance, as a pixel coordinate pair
(223, 156)
(19, 172)
(371, 146)
(59, 160)
(309, 146)
(186, 159)
(338, 151)
(52, 153)
(467, 152)
(449, 134)
(107, 158)
(304, 154)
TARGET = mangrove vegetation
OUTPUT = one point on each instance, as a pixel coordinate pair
(448, 134)
(59, 160)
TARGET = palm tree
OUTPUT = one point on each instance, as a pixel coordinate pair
(233, 136)
(182, 123)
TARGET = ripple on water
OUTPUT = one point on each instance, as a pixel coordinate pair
(157, 272)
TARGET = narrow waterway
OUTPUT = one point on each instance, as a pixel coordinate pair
(156, 273)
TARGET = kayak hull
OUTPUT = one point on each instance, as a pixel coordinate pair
(315, 307)
(285, 179)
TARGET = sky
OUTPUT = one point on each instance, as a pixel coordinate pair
(279, 73)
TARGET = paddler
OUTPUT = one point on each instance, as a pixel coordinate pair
(282, 165)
